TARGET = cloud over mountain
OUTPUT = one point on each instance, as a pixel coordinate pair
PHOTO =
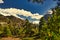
(14, 12)
(1, 1)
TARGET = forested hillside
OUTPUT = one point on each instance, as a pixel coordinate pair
(11, 26)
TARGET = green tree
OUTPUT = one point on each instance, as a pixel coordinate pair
(7, 31)
(1, 30)
(50, 29)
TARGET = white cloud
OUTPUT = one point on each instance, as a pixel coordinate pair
(14, 11)
(37, 16)
(1, 1)
(50, 12)
(36, 22)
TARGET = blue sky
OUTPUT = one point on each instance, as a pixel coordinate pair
(24, 9)
(29, 6)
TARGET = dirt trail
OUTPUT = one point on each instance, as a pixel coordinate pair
(10, 38)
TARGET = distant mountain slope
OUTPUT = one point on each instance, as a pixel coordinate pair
(11, 20)
(47, 15)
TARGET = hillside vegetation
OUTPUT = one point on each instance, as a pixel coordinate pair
(48, 29)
